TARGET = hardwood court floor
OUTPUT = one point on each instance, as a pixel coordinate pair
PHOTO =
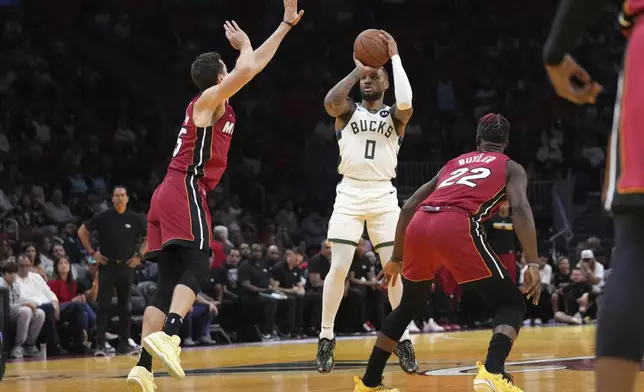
(545, 359)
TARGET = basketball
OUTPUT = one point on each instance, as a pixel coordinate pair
(370, 49)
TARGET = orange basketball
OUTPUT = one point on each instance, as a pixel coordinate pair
(370, 49)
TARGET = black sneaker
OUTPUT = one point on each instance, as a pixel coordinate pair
(406, 357)
(324, 359)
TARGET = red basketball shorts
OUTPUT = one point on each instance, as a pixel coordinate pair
(178, 215)
(624, 179)
(449, 239)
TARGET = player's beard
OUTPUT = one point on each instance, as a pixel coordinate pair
(372, 96)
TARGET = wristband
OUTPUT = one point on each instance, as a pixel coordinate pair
(395, 260)
(288, 23)
(533, 265)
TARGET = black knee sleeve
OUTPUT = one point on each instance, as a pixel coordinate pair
(508, 316)
(162, 296)
(415, 296)
(196, 271)
(620, 329)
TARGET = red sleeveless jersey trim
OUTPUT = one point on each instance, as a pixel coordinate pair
(202, 152)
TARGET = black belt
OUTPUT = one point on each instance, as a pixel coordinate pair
(446, 208)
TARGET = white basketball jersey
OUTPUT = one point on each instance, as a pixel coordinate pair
(369, 146)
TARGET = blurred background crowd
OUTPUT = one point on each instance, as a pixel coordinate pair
(92, 95)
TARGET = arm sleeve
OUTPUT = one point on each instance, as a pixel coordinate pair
(402, 87)
(571, 21)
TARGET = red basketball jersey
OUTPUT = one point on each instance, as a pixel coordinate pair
(474, 182)
(634, 7)
(203, 152)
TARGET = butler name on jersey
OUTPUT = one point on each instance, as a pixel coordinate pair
(369, 146)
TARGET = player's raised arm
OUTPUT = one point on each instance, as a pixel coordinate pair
(402, 88)
(337, 102)
(237, 78)
(265, 53)
(572, 19)
(250, 62)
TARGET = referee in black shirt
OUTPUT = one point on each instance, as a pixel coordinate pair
(122, 238)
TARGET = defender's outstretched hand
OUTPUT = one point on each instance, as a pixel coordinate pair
(291, 15)
(390, 273)
(560, 76)
(235, 35)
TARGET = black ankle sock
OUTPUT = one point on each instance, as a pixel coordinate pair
(376, 366)
(499, 349)
(172, 324)
(145, 360)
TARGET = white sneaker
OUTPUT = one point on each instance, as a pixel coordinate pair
(527, 322)
(432, 326)
(132, 344)
(413, 328)
(537, 322)
(17, 352)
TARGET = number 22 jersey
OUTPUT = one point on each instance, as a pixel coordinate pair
(474, 182)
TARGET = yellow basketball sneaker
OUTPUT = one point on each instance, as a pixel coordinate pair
(489, 382)
(167, 349)
(360, 387)
(140, 380)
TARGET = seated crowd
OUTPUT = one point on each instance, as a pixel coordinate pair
(258, 292)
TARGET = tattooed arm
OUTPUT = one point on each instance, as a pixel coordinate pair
(337, 102)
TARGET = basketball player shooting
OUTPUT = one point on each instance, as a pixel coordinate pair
(179, 227)
(620, 328)
(440, 226)
(369, 137)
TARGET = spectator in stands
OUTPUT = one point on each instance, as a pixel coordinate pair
(244, 251)
(288, 279)
(362, 276)
(561, 280)
(74, 308)
(218, 249)
(34, 289)
(71, 243)
(6, 252)
(500, 233)
(576, 296)
(196, 324)
(536, 314)
(254, 281)
(226, 291)
(28, 318)
(273, 256)
(287, 218)
(30, 250)
(58, 251)
(319, 267)
(591, 270)
(55, 210)
(88, 284)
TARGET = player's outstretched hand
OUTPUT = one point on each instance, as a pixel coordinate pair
(390, 273)
(392, 46)
(363, 70)
(291, 15)
(532, 284)
(561, 78)
(235, 35)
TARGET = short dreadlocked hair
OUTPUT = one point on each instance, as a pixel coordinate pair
(494, 128)
(206, 69)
